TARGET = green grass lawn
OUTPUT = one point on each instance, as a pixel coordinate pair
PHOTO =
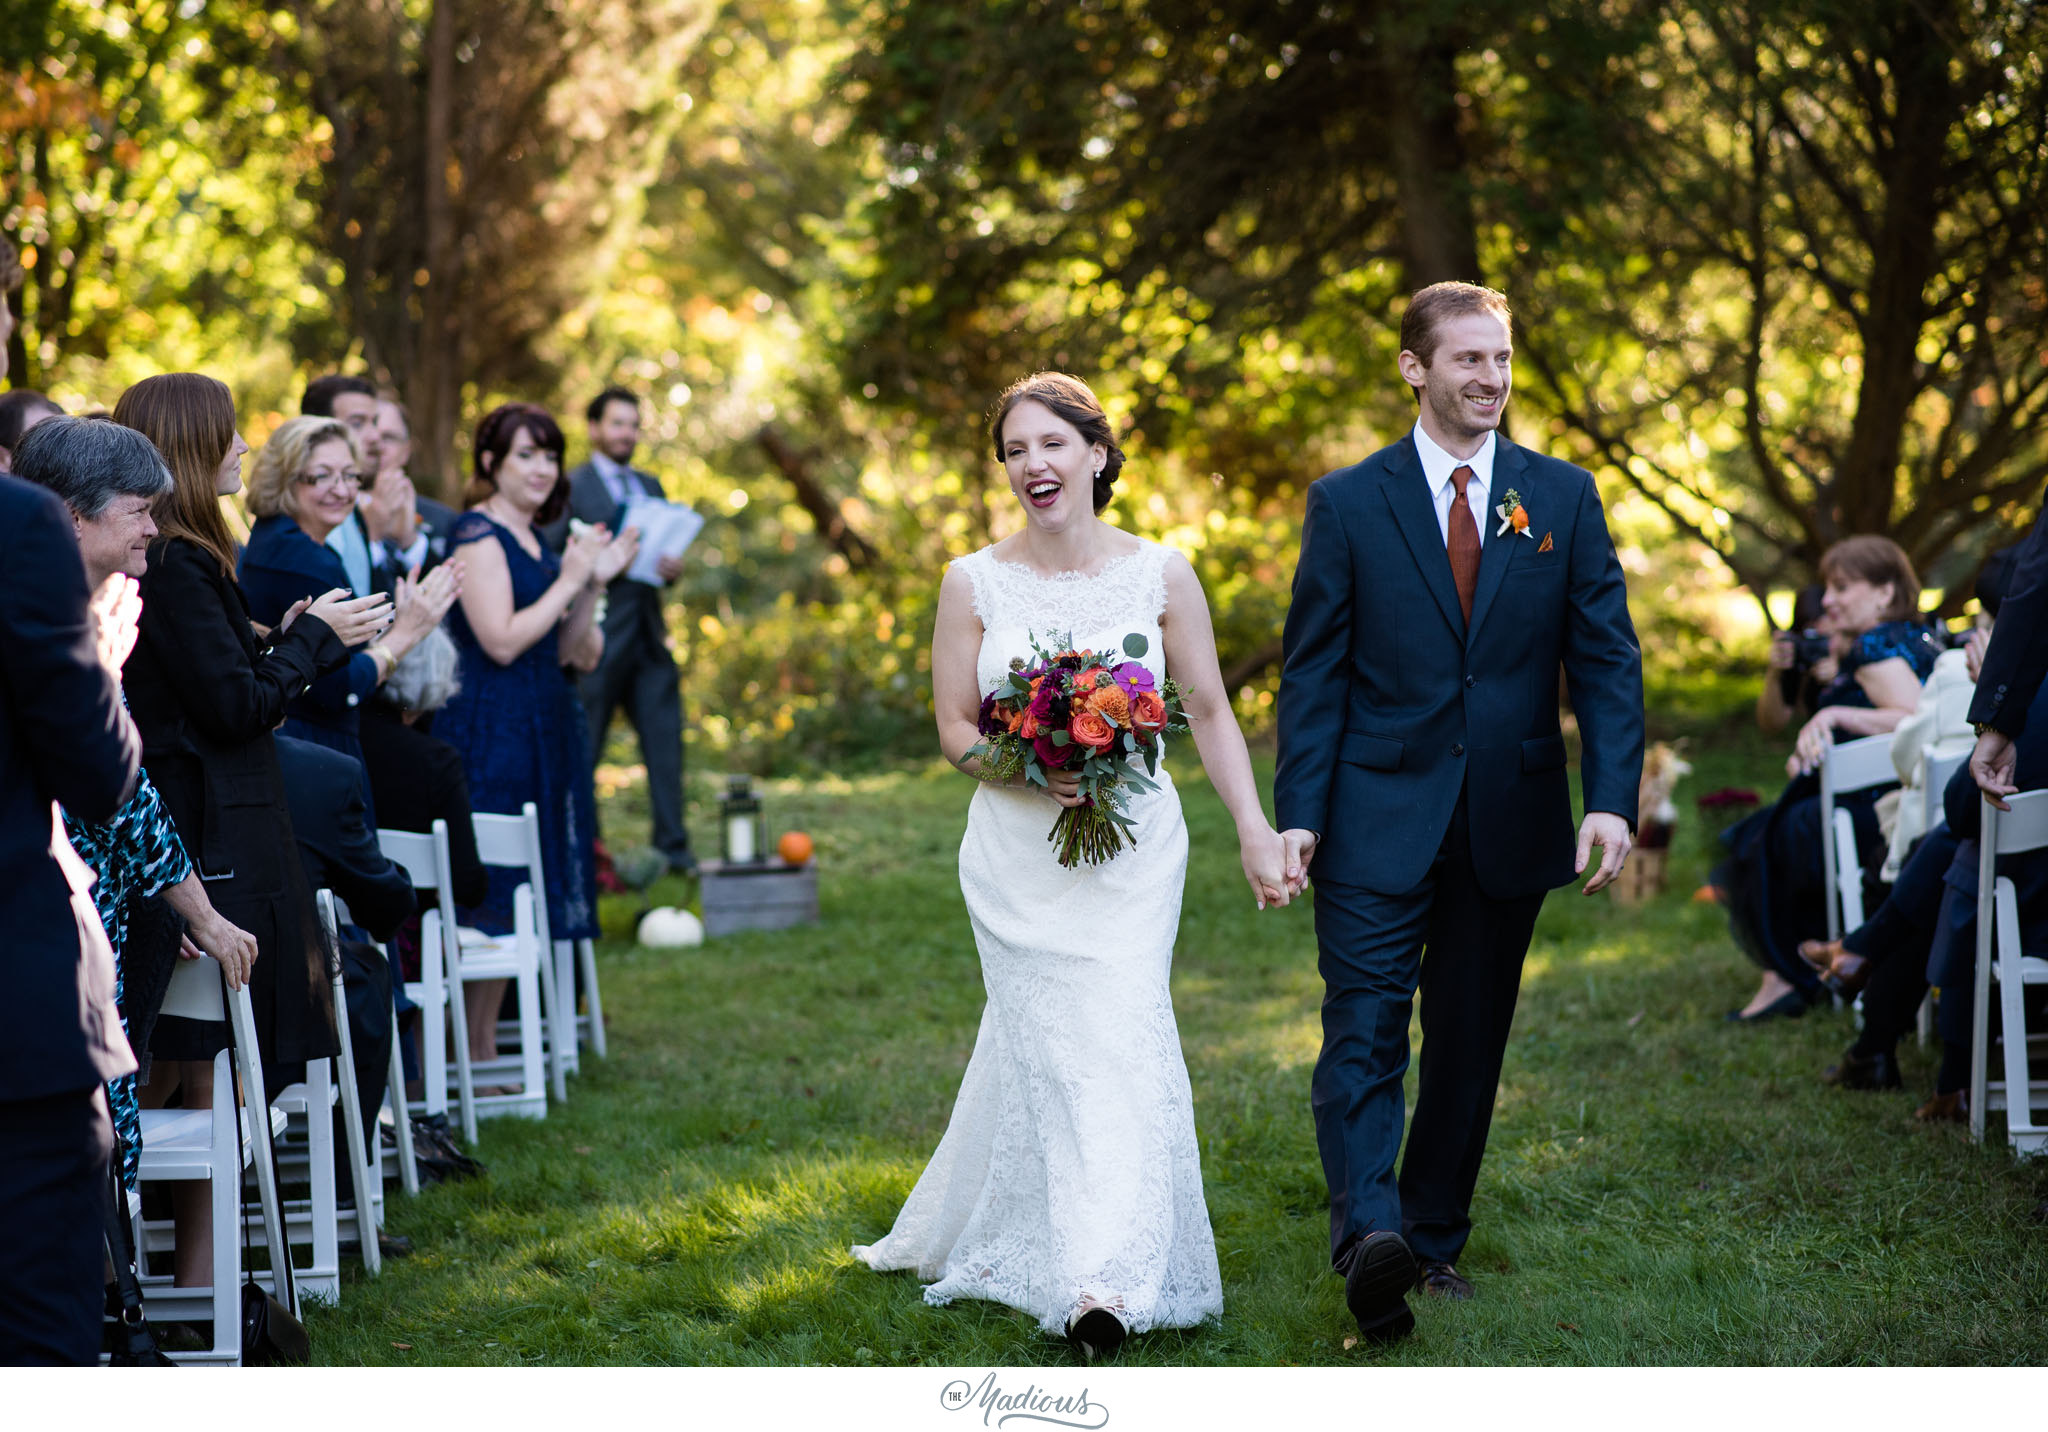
(1659, 1188)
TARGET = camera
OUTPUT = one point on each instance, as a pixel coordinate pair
(1808, 647)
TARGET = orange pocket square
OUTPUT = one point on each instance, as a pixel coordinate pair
(1546, 544)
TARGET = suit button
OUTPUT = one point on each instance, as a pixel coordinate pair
(1471, 681)
(1458, 750)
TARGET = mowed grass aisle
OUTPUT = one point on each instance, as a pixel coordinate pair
(1660, 1187)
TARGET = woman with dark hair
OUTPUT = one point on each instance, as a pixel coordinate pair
(1772, 879)
(304, 486)
(206, 695)
(515, 718)
(1069, 1182)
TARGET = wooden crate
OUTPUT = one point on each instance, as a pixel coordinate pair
(1643, 877)
(769, 896)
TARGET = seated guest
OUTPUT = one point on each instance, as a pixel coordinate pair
(64, 739)
(417, 778)
(1796, 677)
(206, 695)
(1772, 876)
(340, 853)
(20, 410)
(108, 476)
(523, 613)
(304, 486)
(352, 402)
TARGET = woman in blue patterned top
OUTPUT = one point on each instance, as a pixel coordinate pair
(109, 476)
(1772, 880)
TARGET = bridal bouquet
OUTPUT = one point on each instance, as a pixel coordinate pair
(1088, 713)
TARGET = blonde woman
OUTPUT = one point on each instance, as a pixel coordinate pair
(304, 487)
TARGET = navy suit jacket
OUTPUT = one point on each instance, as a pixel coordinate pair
(332, 825)
(1390, 706)
(2017, 659)
(64, 738)
(280, 565)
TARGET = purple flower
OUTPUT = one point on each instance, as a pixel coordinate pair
(1133, 677)
(988, 722)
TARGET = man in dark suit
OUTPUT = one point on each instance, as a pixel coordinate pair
(408, 531)
(1422, 784)
(638, 671)
(2014, 666)
(64, 740)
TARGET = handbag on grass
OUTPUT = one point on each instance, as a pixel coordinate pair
(271, 1336)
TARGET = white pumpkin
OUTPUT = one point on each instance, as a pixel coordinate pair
(668, 928)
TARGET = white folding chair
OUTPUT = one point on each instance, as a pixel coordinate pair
(367, 1216)
(1999, 957)
(1848, 767)
(1937, 769)
(438, 991)
(526, 956)
(216, 1144)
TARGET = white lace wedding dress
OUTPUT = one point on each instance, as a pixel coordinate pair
(1069, 1169)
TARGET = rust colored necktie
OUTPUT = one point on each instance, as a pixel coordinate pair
(1463, 544)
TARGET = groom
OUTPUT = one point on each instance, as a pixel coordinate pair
(1443, 581)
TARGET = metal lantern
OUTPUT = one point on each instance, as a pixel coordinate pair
(743, 833)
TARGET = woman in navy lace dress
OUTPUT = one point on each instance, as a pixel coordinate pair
(524, 613)
(1772, 880)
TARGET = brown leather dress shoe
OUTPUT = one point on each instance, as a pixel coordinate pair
(1819, 953)
(1440, 1280)
(1949, 1108)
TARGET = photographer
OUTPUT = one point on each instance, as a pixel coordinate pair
(1802, 662)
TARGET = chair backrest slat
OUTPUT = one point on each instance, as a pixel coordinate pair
(2024, 827)
(412, 851)
(1858, 765)
(1940, 770)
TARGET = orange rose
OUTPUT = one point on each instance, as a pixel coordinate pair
(1092, 679)
(1013, 719)
(1092, 731)
(1520, 517)
(1148, 712)
(1027, 725)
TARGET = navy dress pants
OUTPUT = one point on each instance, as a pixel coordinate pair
(53, 1232)
(1463, 951)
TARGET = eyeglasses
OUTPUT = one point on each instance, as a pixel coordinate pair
(346, 479)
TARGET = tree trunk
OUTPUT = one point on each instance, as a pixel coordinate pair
(1439, 241)
(436, 386)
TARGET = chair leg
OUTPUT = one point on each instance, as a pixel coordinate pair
(226, 1190)
(401, 1120)
(586, 951)
(552, 1018)
(465, 1083)
(325, 1203)
(563, 953)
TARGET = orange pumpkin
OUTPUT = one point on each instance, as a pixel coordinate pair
(794, 847)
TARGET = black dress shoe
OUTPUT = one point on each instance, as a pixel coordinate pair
(1875, 1071)
(683, 863)
(1376, 1283)
(393, 1245)
(1440, 1280)
(1789, 1005)
(1096, 1334)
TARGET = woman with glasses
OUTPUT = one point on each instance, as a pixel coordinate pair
(304, 487)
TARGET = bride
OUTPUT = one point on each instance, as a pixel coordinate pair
(1068, 1183)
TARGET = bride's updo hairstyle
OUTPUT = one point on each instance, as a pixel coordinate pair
(1072, 400)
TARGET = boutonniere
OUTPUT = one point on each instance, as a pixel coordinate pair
(1513, 516)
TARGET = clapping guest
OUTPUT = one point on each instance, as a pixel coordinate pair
(524, 612)
(108, 477)
(352, 402)
(304, 488)
(408, 532)
(1772, 876)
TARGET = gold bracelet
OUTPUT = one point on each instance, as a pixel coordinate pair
(390, 661)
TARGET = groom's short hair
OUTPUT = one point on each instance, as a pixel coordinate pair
(1436, 305)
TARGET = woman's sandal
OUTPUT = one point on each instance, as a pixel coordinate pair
(1096, 1331)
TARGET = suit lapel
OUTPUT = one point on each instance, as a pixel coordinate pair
(1407, 496)
(1510, 469)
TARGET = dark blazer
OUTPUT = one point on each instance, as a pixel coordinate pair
(64, 739)
(415, 780)
(633, 622)
(206, 697)
(325, 789)
(280, 565)
(435, 519)
(2017, 660)
(1390, 707)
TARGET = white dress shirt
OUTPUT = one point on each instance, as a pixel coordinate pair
(1437, 467)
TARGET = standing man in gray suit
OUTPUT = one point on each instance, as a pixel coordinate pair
(638, 671)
